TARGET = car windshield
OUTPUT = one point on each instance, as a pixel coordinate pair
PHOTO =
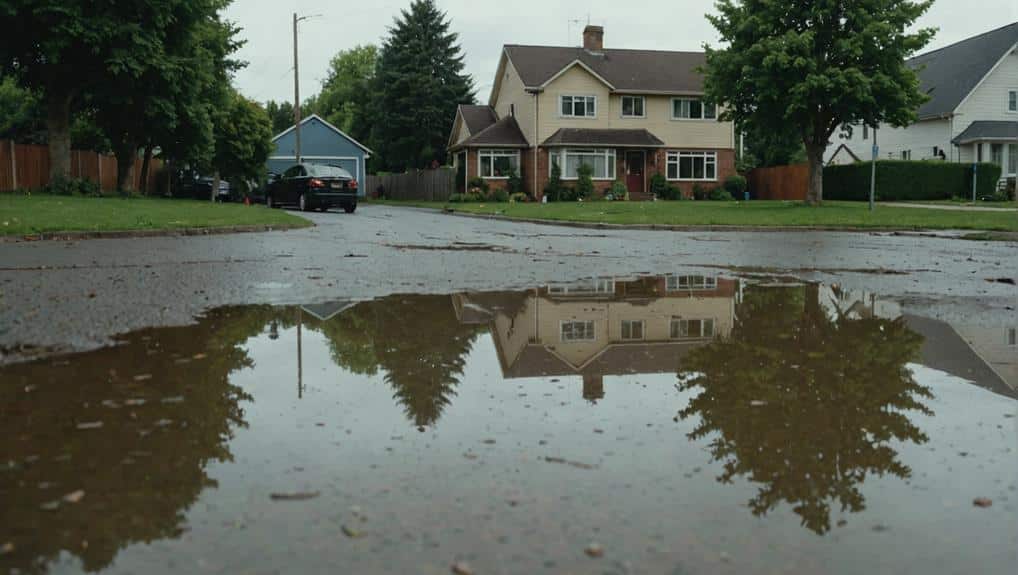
(322, 171)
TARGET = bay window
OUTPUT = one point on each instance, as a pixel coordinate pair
(578, 106)
(692, 166)
(633, 107)
(693, 109)
(601, 161)
(498, 164)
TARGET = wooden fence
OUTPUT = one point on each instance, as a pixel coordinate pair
(425, 185)
(26, 167)
(780, 183)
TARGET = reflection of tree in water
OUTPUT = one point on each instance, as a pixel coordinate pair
(805, 405)
(166, 408)
(416, 340)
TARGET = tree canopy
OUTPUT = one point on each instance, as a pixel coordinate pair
(813, 66)
(346, 94)
(419, 83)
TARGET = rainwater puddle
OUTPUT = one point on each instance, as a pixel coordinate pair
(673, 425)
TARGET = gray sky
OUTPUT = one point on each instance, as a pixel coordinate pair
(485, 25)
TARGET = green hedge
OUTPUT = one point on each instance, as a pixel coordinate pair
(904, 180)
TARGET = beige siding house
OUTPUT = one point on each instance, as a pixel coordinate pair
(972, 114)
(628, 114)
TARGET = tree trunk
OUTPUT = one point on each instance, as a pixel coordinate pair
(145, 164)
(815, 192)
(58, 125)
(215, 185)
(125, 153)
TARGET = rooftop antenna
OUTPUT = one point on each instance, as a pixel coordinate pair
(569, 29)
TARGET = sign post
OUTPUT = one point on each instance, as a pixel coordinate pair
(873, 172)
(975, 180)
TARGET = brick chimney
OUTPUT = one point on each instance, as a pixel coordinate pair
(593, 39)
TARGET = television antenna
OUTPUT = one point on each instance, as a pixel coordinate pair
(569, 27)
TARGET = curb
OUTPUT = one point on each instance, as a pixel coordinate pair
(130, 234)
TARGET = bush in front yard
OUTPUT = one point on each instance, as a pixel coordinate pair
(619, 191)
(899, 180)
(720, 195)
(662, 190)
(553, 189)
(515, 183)
(736, 186)
(477, 184)
(584, 182)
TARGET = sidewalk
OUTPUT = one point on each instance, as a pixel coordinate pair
(948, 207)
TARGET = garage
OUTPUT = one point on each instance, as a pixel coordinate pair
(321, 143)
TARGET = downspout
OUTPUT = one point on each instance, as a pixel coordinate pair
(537, 138)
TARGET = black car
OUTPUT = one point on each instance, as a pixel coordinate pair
(313, 186)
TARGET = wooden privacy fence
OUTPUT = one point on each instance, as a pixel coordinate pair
(425, 185)
(780, 183)
(26, 167)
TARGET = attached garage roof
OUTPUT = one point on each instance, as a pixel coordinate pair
(650, 71)
(612, 138)
(477, 118)
(985, 130)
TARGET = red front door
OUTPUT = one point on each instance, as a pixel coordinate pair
(634, 172)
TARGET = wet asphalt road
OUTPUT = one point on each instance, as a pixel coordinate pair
(60, 296)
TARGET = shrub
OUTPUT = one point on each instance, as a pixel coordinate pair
(584, 182)
(457, 198)
(477, 183)
(720, 195)
(700, 193)
(515, 183)
(736, 186)
(568, 194)
(619, 191)
(73, 187)
(519, 198)
(663, 190)
(498, 195)
(906, 180)
(553, 189)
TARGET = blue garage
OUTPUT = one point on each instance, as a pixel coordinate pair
(320, 143)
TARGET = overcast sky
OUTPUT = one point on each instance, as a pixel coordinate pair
(485, 25)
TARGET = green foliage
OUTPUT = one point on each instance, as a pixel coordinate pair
(281, 114)
(74, 187)
(768, 147)
(905, 180)
(515, 183)
(805, 68)
(21, 113)
(243, 139)
(584, 182)
(720, 195)
(519, 198)
(736, 185)
(700, 192)
(663, 190)
(419, 82)
(498, 195)
(553, 188)
(619, 191)
(347, 92)
(477, 183)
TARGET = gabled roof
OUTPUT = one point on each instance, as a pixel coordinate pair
(615, 359)
(950, 74)
(984, 130)
(632, 71)
(477, 118)
(313, 117)
(504, 133)
(593, 137)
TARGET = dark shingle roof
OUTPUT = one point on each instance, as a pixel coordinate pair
(591, 137)
(504, 133)
(618, 359)
(477, 118)
(951, 73)
(625, 70)
(986, 130)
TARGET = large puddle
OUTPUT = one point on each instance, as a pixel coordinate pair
(672, 425)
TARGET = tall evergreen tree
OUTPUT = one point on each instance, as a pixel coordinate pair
(420, 81)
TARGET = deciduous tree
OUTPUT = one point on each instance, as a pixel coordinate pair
(814, 66)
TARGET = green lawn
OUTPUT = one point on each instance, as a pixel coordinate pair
(25, 215)
(756, 214)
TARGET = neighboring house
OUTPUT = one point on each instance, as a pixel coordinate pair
(603, 327)
(972, 115)
(320, 143)
(627, 113)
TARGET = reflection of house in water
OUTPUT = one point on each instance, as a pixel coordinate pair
(603, 326)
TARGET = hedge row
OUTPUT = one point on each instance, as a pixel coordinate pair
(904, 180)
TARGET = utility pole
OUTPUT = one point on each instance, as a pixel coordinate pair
(873, 173)
(296, 91)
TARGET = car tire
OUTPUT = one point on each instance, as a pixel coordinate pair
(350, 208)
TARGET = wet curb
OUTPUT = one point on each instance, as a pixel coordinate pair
(918, 232)
(132, 234)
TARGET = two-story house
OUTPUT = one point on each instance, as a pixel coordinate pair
(972, 114)
(628, 114)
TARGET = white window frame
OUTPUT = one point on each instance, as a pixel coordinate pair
(677, 283)
(589, 329)
(675, 157)
(994, 146)
(496, 153)
(596, 286)
(589, 99)
(630, 323)
(559, 156)
(1012, 337)
(676, 335)
(622, 107)
(1011, 92)
(906, 155)
(703, 111)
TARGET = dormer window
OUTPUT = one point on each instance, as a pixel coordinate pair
(633, 107)
(693, 109)
(578, 106)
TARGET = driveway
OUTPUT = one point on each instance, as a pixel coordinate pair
(77, 295)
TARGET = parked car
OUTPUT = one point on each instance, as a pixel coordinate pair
(191, 185)
(313, 186)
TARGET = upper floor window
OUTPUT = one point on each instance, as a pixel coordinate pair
(693, 109)
(578, 106)
(498, 164)
(690, 283)
(1012, 101)
(633, 107)
(692, 328)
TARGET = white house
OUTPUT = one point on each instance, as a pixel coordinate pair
(972, 114)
